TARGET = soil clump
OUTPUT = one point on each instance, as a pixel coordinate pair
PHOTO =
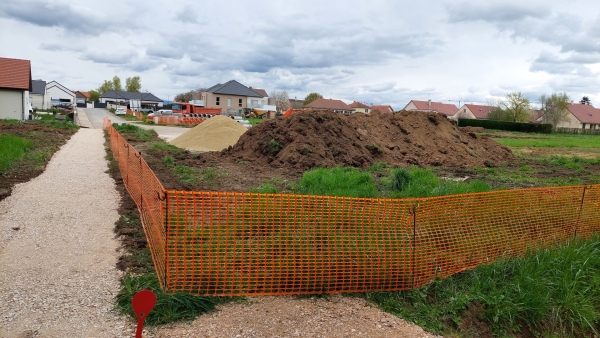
(327, 139)
(214, 134)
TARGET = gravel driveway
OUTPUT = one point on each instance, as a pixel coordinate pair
(57, 248)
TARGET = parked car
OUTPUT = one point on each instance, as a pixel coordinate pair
(63, 105)
(146, 110)
(120, 111)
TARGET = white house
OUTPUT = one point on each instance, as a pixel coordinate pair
(15, 85)
(58, 93)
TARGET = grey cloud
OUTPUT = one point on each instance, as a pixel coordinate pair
(573, 64)
(58, 47)
(346, 71)
(47, 14)
(116, 58)
(494, 12)
(164, 51)
(187, 14)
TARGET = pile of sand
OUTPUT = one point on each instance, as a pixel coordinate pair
(214, 134)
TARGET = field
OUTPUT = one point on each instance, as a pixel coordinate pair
(26, 148)
(499, 299)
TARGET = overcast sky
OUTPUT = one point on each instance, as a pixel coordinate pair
(380, 52)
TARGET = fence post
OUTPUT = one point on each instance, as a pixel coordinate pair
(585, 188)
(414, 243)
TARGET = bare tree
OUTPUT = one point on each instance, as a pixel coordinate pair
(555, 108)
(282, 100)
(194, 94)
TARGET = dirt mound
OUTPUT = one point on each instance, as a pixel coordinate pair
(327, 139)
(214, 134)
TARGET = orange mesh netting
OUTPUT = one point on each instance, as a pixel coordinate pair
(235, 244)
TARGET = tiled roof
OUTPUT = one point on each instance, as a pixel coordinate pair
(85, 94)
(329, 104)
(480, 112)
(442, 108)
(358, 105)
(585, 113)
(383, 108)
(233, 88)
(15, 74)
(260, 92)
(117, 94)
(39, 87)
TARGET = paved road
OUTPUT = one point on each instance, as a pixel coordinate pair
(97, 115)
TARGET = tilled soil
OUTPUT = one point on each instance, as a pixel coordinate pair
(326, 139)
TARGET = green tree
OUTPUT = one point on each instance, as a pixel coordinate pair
(94, 95)
(555, 108)
(117, 83)
(585, 100)
(106, 87)
(516, 107)
(311, 97)
(133, 84)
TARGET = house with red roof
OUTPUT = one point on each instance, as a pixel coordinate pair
(383, 108)
(446, 109)
(337, 106)
(360, 107)
(81, 97)
(582, 116)
(474, 111)
(15, 85)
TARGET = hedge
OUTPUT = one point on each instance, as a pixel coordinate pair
(504, 125)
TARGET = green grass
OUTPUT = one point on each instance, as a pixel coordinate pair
(12, 149)
(551, 292)
(169, 308)
(254, 122)
(417, 182)
(552, 141)
(163, 146)
(142, 134)
(349, 182)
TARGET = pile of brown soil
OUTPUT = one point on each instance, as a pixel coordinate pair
(326, 139)
(214, 134)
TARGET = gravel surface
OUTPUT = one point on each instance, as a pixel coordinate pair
(57, 248)
(280, 317)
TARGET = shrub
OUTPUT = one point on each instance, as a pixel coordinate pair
(504, 125)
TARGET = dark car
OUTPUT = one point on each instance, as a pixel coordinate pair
(63, 105)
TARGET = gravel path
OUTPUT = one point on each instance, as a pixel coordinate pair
(57, 248)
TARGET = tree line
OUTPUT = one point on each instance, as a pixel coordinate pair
(132, 84)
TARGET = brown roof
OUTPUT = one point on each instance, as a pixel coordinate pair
(260, 91)
(86, 94)
(15, 73)
(585, 113)
(358, 105)
(329, 104)
(442, 108)
(383, 108)
(480, 112)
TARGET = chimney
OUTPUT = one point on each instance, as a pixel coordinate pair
(429, 104)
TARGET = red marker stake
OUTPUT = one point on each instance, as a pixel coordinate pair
(143, 302)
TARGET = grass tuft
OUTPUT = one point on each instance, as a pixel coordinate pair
(12, 149)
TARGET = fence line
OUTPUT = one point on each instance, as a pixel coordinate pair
(236, 244)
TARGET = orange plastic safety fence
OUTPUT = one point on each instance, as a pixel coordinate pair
(172, 120)
(234, 244)
(146, 191)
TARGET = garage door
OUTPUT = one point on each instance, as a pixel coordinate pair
(11, 104)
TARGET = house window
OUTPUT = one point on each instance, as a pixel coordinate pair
(228, 102)
(218, 101)
(583, 126)
(240, 102)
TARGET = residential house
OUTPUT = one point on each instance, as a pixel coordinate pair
(294, 103)
(360, 107)
(446, 109)
(337, 106)
(582, 116)
(232, 97)
(256, 102)
(38, 97)
(473, 111)
(58, 93)
(81, 97)
(383, 108)
(15, 86)
(133, 99)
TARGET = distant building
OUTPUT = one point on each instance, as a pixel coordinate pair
(581, 116)
(360, 107)
(474, 111)
(147, 100)
(446, 109)
(383, 108)
(15, 86)
(58, 93)
(39, 99)
(337, 106)
(232, 97)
